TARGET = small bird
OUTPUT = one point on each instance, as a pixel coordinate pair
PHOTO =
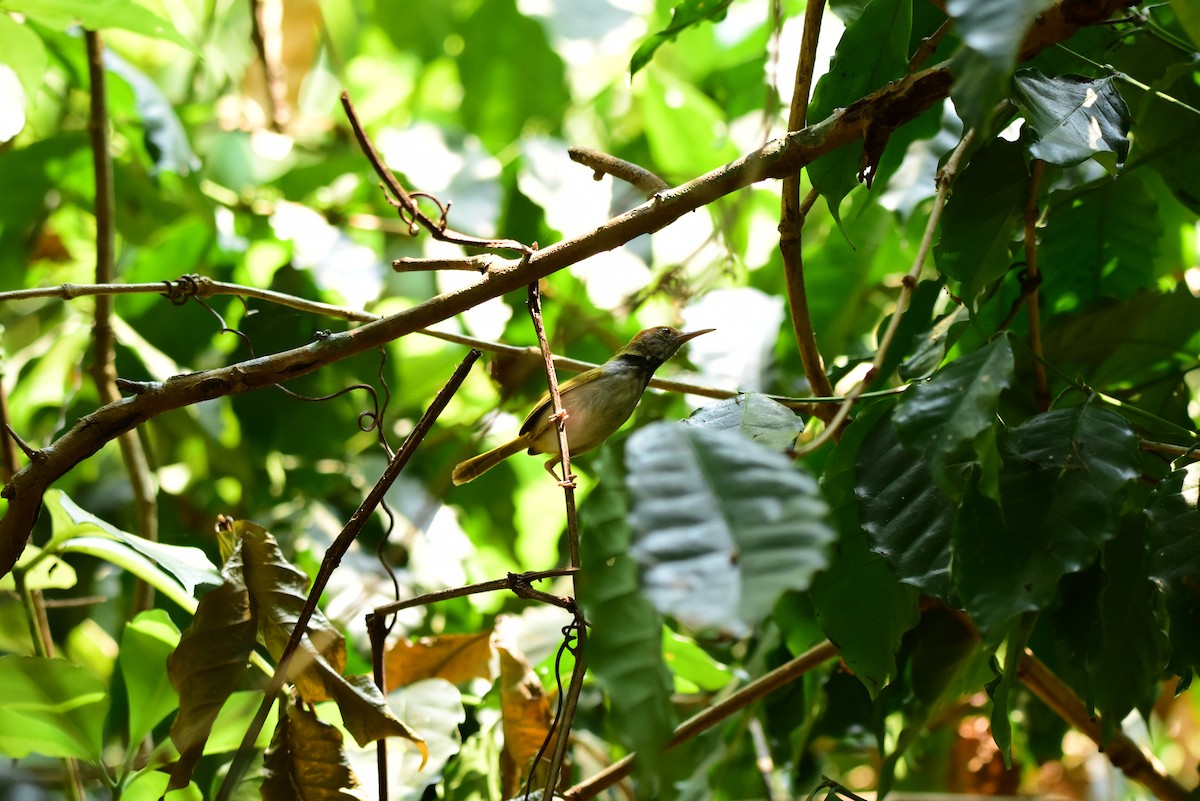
(596, 403)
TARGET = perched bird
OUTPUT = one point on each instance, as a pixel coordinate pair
(596, 402)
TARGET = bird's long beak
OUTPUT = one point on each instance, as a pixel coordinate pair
(693, 334)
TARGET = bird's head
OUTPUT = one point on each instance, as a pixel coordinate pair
(660, 343)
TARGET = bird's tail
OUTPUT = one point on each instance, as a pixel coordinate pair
(476, 466)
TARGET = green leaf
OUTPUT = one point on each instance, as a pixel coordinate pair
(944, 417)
(145, 645)
(491, 106)
(757, 417)
(23, 51)
(1134, 652)
(1072, 118)
(723, 526)
(981, 217)
(683, 16)
(165, 137)
(1173, 512)
(860, 605)
(207, 665)
(306, 760)
(930, 349)
(150, 784)
(96, 15)
(694, 669)
(1065, 478)
(992, 32)
(50, 707)
(873, 50)
(229, 728)
(1106, 243)
(50, 572)
(625, 643)
(680, 123)
(189, 566)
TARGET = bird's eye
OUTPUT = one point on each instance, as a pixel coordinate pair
(664, 330)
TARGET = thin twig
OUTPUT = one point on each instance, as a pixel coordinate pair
(702, 721)
(1033, 276)
(791, 218)
(603, 164)
(1178, 451)
(276, 87)
(104, 372)
(333, 557)
(571, 700)
(408, 205)
(513, 582)
(908, 284)
(8, 450)
(928, 45)
(475, 264)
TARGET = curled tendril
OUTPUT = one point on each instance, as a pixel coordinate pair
(443, 208)
(406, 216)
(182, 289)
(570, 640)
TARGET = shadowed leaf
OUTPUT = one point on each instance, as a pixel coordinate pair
(1174, 564)
(1073, 118)
(306, 761)
(50, 707)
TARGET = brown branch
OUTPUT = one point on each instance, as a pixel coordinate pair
(892, 105)
(477, 264)
(1121, 751)
(512, 582)
(571, 699)
(945, 177)
(104, 372)
(791, 218)
(1033, 276)
(702, 721)
(603, 164)
(407, 205)
(333, 557)
(276, 87)
(928, 45)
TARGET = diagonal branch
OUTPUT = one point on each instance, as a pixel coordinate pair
(887, 108)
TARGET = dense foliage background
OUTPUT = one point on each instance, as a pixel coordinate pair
(1019, 473)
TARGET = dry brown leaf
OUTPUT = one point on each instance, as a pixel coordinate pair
(526, 718)
(457, 658)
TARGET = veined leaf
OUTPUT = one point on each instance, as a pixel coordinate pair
(757, 417)
(189, 566)
(208, 664)
(945, 416)
(1065, 478)
(526, 717)
(457, 658)
(279, 592)
(306, 761)
(1073, 118)
(365, 712)
(625, 643)
(860, 605)
(50, 707)
(724, 526)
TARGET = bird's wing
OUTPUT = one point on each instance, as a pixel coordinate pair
(541, 413)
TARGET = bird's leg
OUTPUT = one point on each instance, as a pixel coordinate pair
(569, 481)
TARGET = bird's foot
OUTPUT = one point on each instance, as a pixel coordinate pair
(569, 481)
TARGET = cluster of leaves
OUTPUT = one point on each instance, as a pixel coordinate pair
(962, 517)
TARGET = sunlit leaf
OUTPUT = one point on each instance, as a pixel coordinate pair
(526, 717)
(757, 417)
(1073, 118)
(457, 658)
(24, 53)
(96, 14)
(50, 572)
(146, 643)
(50, 707)
(724, 526)
(189, 566)
(683, 16)
(306, 761)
